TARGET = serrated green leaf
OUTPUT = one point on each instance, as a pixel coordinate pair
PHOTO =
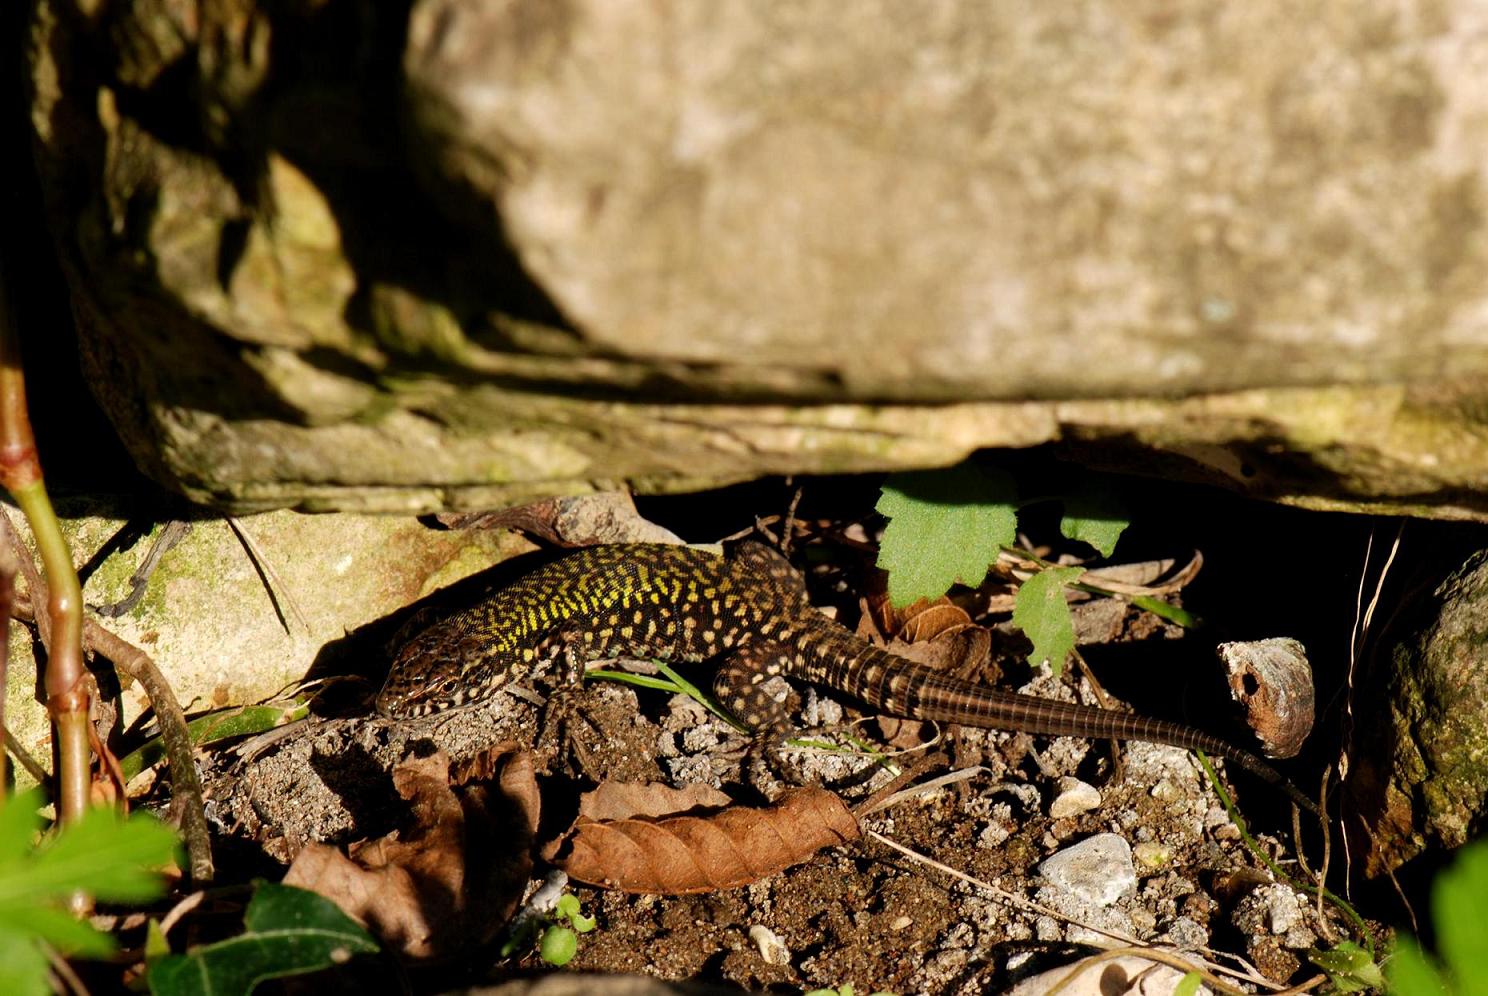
(58, 928)
(558, 946)
(1410, 973)
(23, 968)
(1097, 517)
(1189, 984)
(1459, 909)
(944, 526)
(19, 821)
(1043, 615)
(112, 858)
(289, 932)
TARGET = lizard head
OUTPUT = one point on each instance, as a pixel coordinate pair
(444, 667)
(422, 680)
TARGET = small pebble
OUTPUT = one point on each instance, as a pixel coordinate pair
(1167, 792)
(900, 923)
(1152, 856)
(1074, 797)
(771, 947)
(1186, 935)
(1097, 870)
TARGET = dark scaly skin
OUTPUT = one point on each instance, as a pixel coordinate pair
(750, 612)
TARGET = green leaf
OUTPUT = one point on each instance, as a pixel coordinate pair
(1095, 517)
(288, 931)
(944, 526)
(1164, 610)
(19, 823)
(23, 968)
(1350, 968)
(1043, 615)
(156, 946)
(112, 858)
(1459, 909)
(1189, 984)
(558, 946)
(103, 854)
(568, 908)
(58, 928)
(1410, 973)
(221, 725)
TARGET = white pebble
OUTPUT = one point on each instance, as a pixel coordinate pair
(1074, 797)
(1097, 870)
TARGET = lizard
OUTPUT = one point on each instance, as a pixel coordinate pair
(749, 612)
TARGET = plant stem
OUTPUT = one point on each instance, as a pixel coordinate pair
(20, 473)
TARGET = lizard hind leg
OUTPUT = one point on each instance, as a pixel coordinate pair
(742, 685)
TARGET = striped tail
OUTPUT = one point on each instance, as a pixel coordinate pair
(902, 687)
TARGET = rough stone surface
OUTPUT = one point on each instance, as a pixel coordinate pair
(471, 257)
(223, 635)
(1097, 870)
(1421, 780)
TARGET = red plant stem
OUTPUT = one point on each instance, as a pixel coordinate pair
(20, 474)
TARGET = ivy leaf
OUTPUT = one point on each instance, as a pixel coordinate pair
(1043, 615)
(1096, 517)
(944, 526)
(288, 931)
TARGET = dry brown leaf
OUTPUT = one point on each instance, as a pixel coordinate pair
(926, 620)
(651, 800)
(452, 881)
(722, 850)
(960, 651)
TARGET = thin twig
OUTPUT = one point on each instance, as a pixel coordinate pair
(1028, 906)
(179, 910)
(270, 577)
(170, 534)
(63, 971)
(20, 753)
(1357, 636)
(894, 792)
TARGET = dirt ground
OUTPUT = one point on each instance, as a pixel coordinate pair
(973, 909)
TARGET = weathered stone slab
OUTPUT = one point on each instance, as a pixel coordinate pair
(461, 254)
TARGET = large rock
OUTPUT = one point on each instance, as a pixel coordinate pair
(373, 256)
(1418, 776)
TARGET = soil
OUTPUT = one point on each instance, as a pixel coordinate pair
(864, 914)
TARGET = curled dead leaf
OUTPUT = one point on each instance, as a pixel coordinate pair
(452, 880)
(926, 620)
(703, 853)
(631, 800)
